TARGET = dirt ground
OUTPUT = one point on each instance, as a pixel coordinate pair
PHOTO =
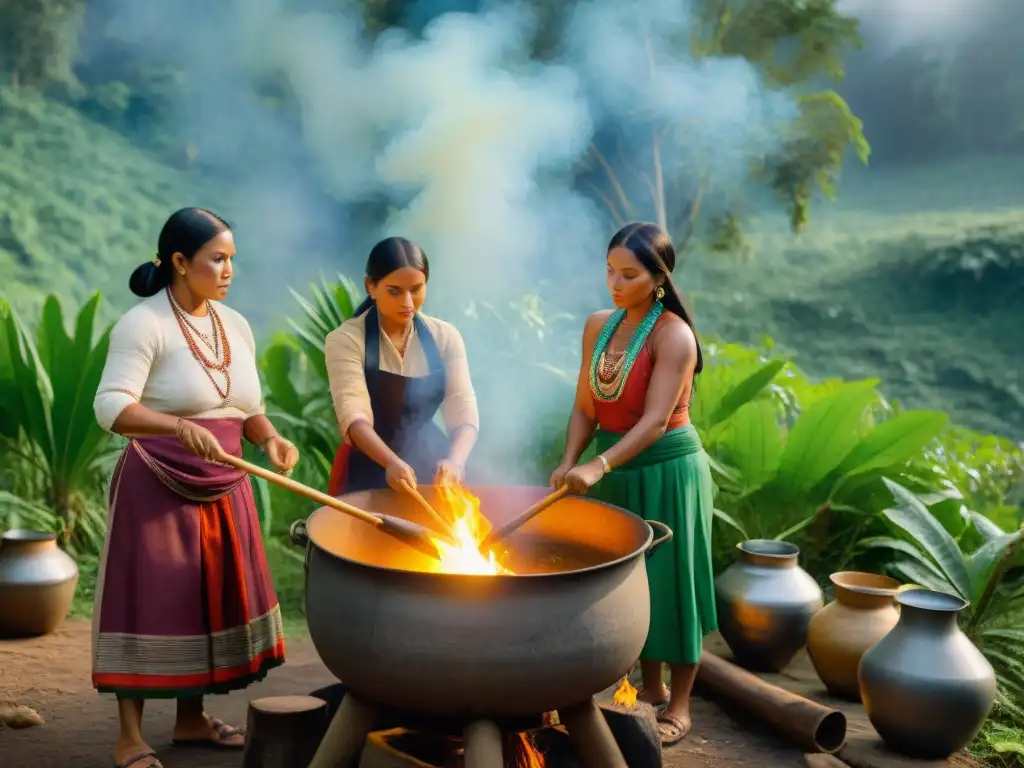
(51, 675)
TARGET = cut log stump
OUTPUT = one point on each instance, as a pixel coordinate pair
(284, 731)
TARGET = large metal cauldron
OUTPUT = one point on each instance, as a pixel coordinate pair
(570, 623)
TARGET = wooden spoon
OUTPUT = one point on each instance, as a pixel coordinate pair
(517, 522)
(435, 516)
(406, 531)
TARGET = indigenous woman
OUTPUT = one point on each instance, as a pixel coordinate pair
(634, 387)
(391, 369)
(185, 602)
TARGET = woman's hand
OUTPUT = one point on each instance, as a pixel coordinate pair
(580, 478)
(198, 440)
(398, 473)
(557, 479)
(449, 472)
(281, 453)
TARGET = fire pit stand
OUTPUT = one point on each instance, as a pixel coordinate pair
(356, 717)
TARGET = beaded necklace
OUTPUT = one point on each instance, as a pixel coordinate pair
(220, 342)
(607, 379)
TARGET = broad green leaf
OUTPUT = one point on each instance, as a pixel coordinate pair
(754, 443)
(741, 394)
(894, 442)
(985, 527)
(33, 385)
(983, 562)
(731, 522)
(823, 436)
(264, 505)
(277, 372)
(905, 548)
(914, 573)
(934, 540)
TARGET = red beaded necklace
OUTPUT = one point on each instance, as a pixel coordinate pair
(220, 341)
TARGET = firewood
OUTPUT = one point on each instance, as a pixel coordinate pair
(283, 731)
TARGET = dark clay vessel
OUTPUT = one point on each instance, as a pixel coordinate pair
(765, 604)
(926, 688)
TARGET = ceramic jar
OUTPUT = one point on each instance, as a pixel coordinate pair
(765, 604)
(862, 613)
(37, 583)
(926, 688)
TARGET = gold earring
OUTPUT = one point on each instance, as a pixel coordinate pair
(660, 293)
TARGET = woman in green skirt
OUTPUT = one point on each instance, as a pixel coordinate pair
(634, 387)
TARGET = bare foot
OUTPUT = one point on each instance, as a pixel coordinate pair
(208, 732)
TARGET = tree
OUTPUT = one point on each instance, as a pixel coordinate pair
(794, 44)
(38, 40)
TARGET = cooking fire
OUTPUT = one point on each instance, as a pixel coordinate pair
(469, 527)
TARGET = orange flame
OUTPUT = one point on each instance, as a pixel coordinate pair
(528, 755)
(469, 527)
(625, 695)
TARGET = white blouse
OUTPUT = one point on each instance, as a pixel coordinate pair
(345, 350)
(150, 362)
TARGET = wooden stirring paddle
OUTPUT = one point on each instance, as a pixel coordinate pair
(410, 533)
(434, 514)
(497, 534)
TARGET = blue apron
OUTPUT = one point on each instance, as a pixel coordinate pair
(403, 416)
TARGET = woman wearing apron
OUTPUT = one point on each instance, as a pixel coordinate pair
(635, 380)
(390, 370)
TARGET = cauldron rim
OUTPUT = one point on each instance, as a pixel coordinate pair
(498, 578)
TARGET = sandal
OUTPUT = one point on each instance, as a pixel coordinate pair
(657, 704)
(134, 761)
(224, 732)
(672, 730)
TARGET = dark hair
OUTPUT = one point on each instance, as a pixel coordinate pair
(388, 255)
(185, 232)
(653, 248)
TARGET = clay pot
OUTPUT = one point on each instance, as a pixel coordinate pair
(765, 604)
(862, 613)
(926, 688)
(37, 583)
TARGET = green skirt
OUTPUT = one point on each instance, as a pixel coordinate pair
(671, 482)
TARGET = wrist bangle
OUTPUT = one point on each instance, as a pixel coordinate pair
(263, 445)
(604, 463)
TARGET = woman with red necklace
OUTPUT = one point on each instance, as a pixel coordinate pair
(185, 605)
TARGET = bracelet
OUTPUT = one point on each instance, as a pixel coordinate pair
(604, 463)
(265, 443)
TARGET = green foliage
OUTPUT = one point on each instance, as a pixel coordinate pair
(47, 386)
(38, 40)
(812, 155)
(295, 374)
(936, 553)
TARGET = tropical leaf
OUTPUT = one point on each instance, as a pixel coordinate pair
(913, 517)
(984, 562)
(823, 436)
(745, 391)
(894, 442)
(755, 443)
(732, 523)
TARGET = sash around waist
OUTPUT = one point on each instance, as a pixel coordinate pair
(674, 444)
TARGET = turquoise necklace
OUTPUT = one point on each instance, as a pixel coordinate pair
(610, 389)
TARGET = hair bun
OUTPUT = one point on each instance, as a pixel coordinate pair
(148, 279)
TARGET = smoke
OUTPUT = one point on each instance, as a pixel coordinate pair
(898, 24)
(472, 145)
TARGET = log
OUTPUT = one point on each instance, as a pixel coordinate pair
(345, 738)
(819, 760)
(484, 745)
(635, 730)
(283, 731)
(591, 736)
(812, 726)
